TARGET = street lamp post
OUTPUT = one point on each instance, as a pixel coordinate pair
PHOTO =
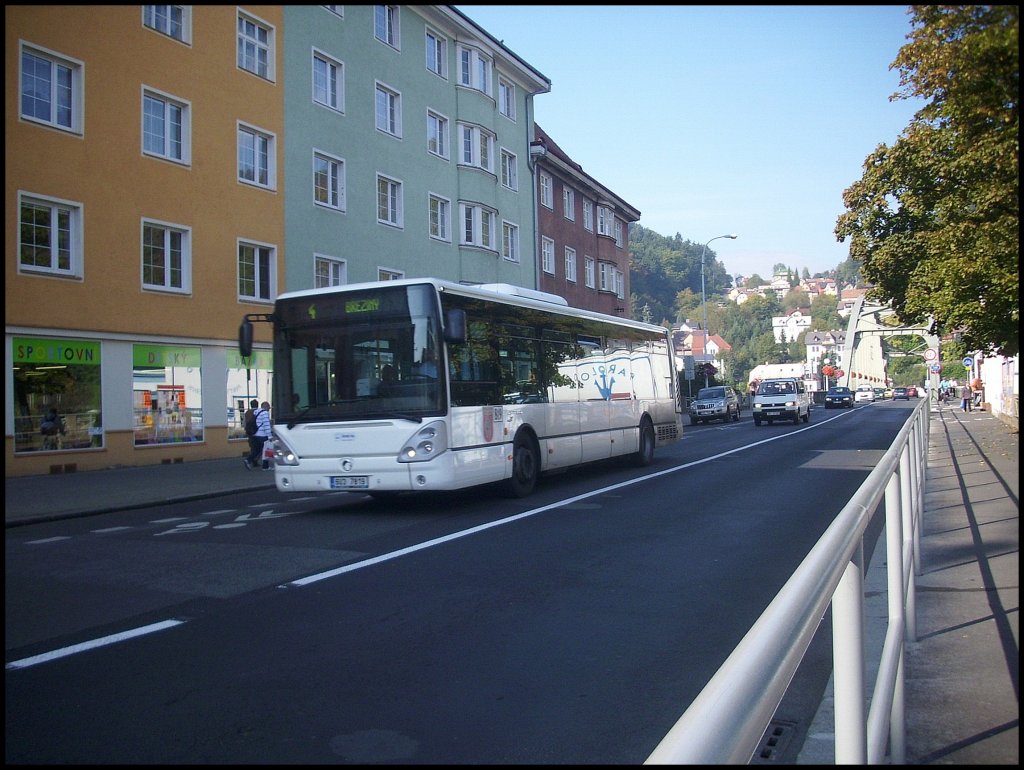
(704, 300)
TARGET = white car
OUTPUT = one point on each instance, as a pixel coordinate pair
(864, 393)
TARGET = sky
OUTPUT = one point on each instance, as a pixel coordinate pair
(714, 120)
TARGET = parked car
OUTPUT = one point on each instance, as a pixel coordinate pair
(715, 403)
(784, 398)
(838, 396)
(912, 392)
(864, 393)
(900, 393)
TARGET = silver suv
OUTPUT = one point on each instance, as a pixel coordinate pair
(716, 403)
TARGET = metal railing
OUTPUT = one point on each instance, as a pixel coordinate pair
(726, 721)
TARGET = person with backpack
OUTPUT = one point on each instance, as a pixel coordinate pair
(249, 425)
(51, 427)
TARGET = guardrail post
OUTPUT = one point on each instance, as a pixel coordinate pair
(897, 553)
(848, 663)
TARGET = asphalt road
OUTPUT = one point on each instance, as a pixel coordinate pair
(571, 627)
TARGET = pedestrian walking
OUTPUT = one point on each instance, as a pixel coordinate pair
(263, 430)
(966, 398)
(257, 427)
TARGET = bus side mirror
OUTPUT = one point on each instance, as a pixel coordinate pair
(455, 326)
(245, 338)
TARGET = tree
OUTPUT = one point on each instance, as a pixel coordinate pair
(934, 218)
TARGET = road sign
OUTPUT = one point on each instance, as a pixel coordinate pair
(931, 354)
(968, 362)
(935, 368)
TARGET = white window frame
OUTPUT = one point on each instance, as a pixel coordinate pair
(605, 221)
(387, 110)
(389, 274)
(74, 72)
(167, 19)
(337, 10)
(72, 240)
(387, 25)
(438, 125)
(253, 55)
(389, 192)
(168, 103)
(589, 270)
(476, 147)
(439, 217)
(509, 170)
(336, 270)
(168, 229)
(475, 69)
(510, 241)
(437, 53)
(569, 203)
(335, 187)
(547, 191)
(259, 136)
(606, 274)
(570, 264)
(333, 89)
(618, 233)
(547, 252)
(271, 280)
(620, 284)
(507, 98)
(588, 216)
(478, 226)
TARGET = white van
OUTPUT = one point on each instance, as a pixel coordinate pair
(783, 398)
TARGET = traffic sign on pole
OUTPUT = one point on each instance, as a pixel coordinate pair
(968, 362)
(931, 354)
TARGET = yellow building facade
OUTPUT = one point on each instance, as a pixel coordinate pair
(144, 217)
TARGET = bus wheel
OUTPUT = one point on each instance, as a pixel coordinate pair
(645, 450)
(525, 467)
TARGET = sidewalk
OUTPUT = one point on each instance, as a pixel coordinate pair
(962, 673)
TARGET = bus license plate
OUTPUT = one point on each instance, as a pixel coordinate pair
(350, 482)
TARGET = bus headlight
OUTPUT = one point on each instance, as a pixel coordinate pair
(425, 444)
(283, 454)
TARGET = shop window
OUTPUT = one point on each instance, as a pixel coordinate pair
(56, 374)
(167, 394)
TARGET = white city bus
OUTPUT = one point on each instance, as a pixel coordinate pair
(425, 384)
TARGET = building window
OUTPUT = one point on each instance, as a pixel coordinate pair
(50, 237)
(172, 20)
(328, 82)
(509, 170)
(388, 110)
(437, 54)
(387, 274)
(477, 147)
(328, 181)
(547, 195)
(437, 134)
(385, 24)
(588, 216)
(620, 284)
(51, 90)
(440, 218)
(510, 241)
(569, 203)
(507, 98)
(618, 234)
(165, 127)
(167, 394)
(166, 257)
(255, 46)
(570, 264)
(588, 272)
(607, 276)
(256, 157)
(547, 251)
(605, 221)
(389, 201)
(58, 374)
(474, 69)
(328, 271)
(478, 224)
(257, 272)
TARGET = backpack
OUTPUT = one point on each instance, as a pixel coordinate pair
(250, 423)
(48, 427)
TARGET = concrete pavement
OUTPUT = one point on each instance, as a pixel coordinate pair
(962, 673)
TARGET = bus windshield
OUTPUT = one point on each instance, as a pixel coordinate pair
(359, 355)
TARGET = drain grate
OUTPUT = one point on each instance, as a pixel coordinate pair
(774, 742)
